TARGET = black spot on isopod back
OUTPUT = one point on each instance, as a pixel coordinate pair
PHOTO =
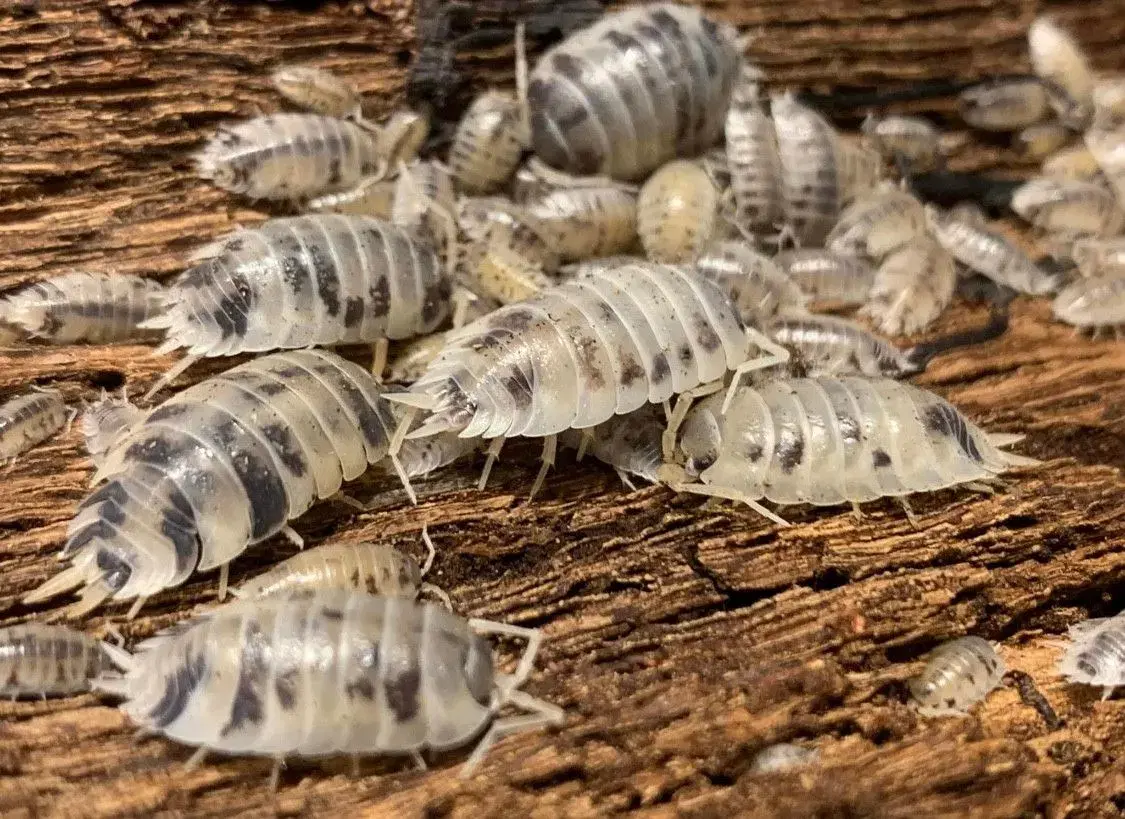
(185, 542)
(353, 312)
(115, 570)
(360, 688)
(660, 369)
(879, 459)
(247, 706)
(295, 274)
(753, 450)
(334, 171)
(327, 278)
(790, 449)
(572, 117)
(231, 318)
(943, 419)
(112, 513)
(686, 354)
(516, 386)
(379, 297)
(516, 319)
(435, 300)
(285, 445)
(333, 614)
(588, 159)
(403, 693)
(705, 334)
(98, 530)
(285, 686)
(568, 66)
(178, 688)
(631, 370)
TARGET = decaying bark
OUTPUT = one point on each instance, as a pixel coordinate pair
(682, 638)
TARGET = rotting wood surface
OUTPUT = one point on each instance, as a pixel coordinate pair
(680, 639)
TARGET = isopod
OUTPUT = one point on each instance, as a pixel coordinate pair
(512, 262)
(221, 465)
(1041, 141)
(752, 158)
(913, 286)
(633, 91)
(1093, 303)
(488, 143)
(754, 281)
(535, 179)
(874, 225)
(305, 280)
(1095, 654)
(605, 343)
(38, 660)
(1068, 207)
(373, 196)
(828, 441)
(783, 757)
(331, 672)
(957, 676)
(1058, 60)
(911, 140)
(107, 421)
(677, 212)
(425, 205)
(399, 139)
(30, 419)
(1109, 97)
(811, 177)
(317, 90)
(1099, 257)
(1008, 104)
(826, 276)
(290, 156)
(990, 254)
(631, 443)
(1106, 143)
(1076, 162)
(94, 307)
(586, 222)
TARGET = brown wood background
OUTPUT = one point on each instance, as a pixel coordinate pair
(681, 640)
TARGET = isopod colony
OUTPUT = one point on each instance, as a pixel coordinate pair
(630, 256)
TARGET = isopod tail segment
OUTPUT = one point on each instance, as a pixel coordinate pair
(919, 356)
(539, 712)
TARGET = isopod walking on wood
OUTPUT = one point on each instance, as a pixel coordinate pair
(1095, 654)
(30, 419)
(957, 676)
(1069, 207)
(38, 660)
(331, 672)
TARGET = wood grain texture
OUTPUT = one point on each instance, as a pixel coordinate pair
(682, 638)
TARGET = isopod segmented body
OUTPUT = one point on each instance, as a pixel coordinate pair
(990, 254)
(913, 286)
(1069, 207)
(221, 465)
(826, 276)
(305, 280)
(812, 185)
(586, 222)
(754, 281)
(107, 421)
(1008, 104)
(1042, 140)
(317, 90)
(874, 225)
(913, 140)
(752, 158)
(828, 345)
(1099, 257)
(1095, 654)
(487, 145)
(1092, 303)
(28, 420)
(332, 672)
(94, 307)
(827, 441)
(290, 156)
(677, 212)
(633, 91)
(957, 676)
(512, 261)
(38, 660)
(374, 568)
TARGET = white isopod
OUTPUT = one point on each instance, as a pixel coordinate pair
(317, 90)
(875, 224)
(914, 141)
(107, 421)
(290, 156)
(586, 222)
(488, 143)
(30, 419)
(1109, 96)
(373, 196)
(783, 757)
(828, 277)
(1106, 143)
(301, 281)
(94, 307)
(811, 175)
(828, 441)
(633, 91)
(752, 158)
(1008, 104)
(913, 286)
(1059, 61)
(512, 261)
(1099, 257)
(957, 676)
(38, 660)
(221, 465)
(677, 212)
(1095, 654)
(631, 443)
(332, 672)
(1068, 207)
(829, 345)
(990, 254)
(755, 282)
(1092, 304)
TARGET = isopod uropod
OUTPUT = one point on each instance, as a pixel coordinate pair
(39, 660)
(1095, 654)
(333, 672)
(30, 419)
(633, 91)
(94, 307)
(957, 676)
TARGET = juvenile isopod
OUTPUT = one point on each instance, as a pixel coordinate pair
(373, 196)
(677, 212)
(1092, 304)
(631, 443)
(1095, 654)
(1068, 207)
(1059, 61)
(30, 419)
(957, 676)
(913, 286)
(755, 282)
(425, 205)
(828, 277)
(633, 91)
(828, 441)
(107, 421)
(290, 156)
(1008, 104)
(1099, 257)
(875, 224)
(811, 176)
(1041, 141)
(488, 143)
(1106, 142)
(301, 281)
(914, 141)
(331, 672)
(587, 222)
(93, 307)
(38, 660)
(991, 254)
(783, 757)
(512, 261)
(317, 90)
(617, 336)
(221, 465)
(752, 158)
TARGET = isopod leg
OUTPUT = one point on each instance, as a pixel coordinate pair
(550, 447)
(293, 537)
(729, 494)
(527, 660)
(404, 478)
(1107, 692)
(275, 773)
(224, 578)
(400, 431)
(625, 480)
(492, 454)
(679, 413)
(431, 552)
(584, 443)
(177, 369)
(774, 354)
(909, 510)
(542, 713)
(439, 593)
(379, 358)
(135, 609)
(196, 759)
(857, 513)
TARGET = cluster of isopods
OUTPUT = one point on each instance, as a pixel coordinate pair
(623, 257)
